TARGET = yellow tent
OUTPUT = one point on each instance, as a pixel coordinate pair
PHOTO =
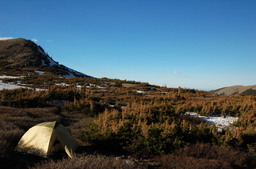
(46, 138)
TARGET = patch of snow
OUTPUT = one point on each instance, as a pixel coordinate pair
(12, 86)
(9, 86)
(79, 87)
(38, 89)
(43, 63)
(62, 84)
(220, 122)
(100, 87)
(94, 85)
(74, 71)
(111, 106)
(10, 77)
(129, 162)
(39, 72)
(40, 50)
(139, 91)
(52, 62)
(69, 75)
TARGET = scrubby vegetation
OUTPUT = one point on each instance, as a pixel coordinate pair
(130, 124)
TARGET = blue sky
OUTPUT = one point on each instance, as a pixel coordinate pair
(202, 44)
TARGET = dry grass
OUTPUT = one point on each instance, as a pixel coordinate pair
(9, 134)
(234, 158)
(129, 85)
(179, 162)
(89, 162)
(25, 118)
(232, 90)
(201, 156)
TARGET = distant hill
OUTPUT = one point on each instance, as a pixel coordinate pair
(237, 90)
(21, 55)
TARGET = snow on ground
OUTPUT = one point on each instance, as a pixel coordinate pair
(100, 87)
(43, 63)
(38, 89)
(9, 86)
(70, 75)
(74, 71)
(220, 122)
(62, 84)
(91, 85)
(10, 77)
(52, 62)
(40, 72)
(79, 87)
(40, 50)
(111, 105)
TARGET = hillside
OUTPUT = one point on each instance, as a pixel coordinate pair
(24, 56)
(237, 90)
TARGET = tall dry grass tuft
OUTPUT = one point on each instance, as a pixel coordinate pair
(10, 135)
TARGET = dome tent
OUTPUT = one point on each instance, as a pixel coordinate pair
(46, 138)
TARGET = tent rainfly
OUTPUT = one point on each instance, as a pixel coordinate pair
(47, 138)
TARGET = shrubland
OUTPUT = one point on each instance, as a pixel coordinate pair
(114, 117)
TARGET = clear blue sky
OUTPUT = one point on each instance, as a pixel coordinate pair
(202, 44)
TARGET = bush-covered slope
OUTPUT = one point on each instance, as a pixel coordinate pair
(23, 56)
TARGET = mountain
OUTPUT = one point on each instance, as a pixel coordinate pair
(237, 90)
(21, 55)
